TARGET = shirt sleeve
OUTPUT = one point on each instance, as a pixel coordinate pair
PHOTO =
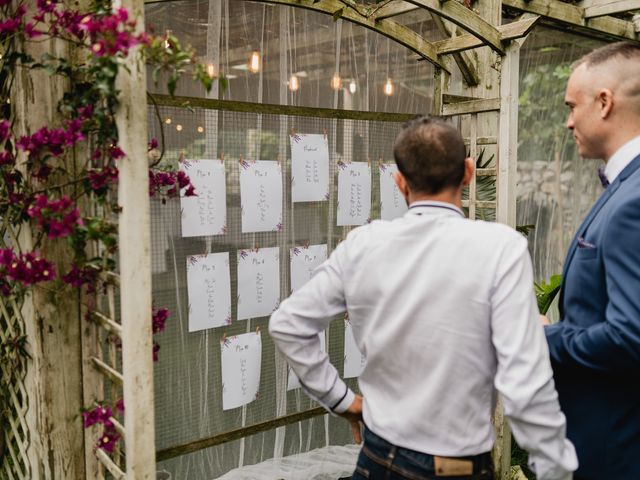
(524, 376)
(295, 326)
(612, 344)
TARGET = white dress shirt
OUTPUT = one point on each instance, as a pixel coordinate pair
(444, 311)
(623, 157)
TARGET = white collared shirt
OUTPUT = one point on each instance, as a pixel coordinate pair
(623, 157)
(444, 311)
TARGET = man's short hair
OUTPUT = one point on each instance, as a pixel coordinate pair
(430, 155)
(627, 50)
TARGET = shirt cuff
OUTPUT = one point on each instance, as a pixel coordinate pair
(345, 402)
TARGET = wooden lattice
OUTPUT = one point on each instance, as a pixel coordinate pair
(14, 433)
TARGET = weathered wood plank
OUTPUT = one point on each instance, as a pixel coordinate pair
(599, 9)
(465, 18)
(573, 16)
(110, 465)
(473, 106)
(393, 9)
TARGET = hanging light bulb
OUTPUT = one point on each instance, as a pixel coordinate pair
(294, 83)
(353, 87)
(179, 128)
(168, 121)
(336, 81)
(211, 70)
(254, 62)
(200, 129)
(388, 87)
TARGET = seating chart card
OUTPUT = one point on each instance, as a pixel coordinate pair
(354, 193)
(354, 361)
(241, 362)
(309, 168)
(206, 213)
(258, 282)
(293, 381)
(303, 262)
(209, 291)
(392, 203)
(261, 196)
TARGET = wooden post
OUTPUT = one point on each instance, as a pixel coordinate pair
(53, 381)
(135, 261)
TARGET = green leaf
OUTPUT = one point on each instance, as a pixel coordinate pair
(546, 292)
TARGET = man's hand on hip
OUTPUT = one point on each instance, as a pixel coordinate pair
(354, 416)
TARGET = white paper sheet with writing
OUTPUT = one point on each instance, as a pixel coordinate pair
(354, 360)
(309, 167)
(258, 282)
(261, 196)
(241, 359)
(209, 291)
(293, 381)
(354, 193)
(303, 262)
(206, 213)
(392, 203)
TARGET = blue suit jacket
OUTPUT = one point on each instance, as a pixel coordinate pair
(595, 348)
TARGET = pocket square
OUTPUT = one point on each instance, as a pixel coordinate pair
(582, 243)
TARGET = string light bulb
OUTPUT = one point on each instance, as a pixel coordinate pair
(294, 83)
(200, 129)
(336, 81)
(388, 87)
(254, 62)
(168, 121)
(211, 70)
(353, 87)
(179, 127)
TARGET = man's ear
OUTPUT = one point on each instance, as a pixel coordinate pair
(605, 100)
(402, 184)
(469, 169)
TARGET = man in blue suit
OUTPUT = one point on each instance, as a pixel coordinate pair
(595, 348)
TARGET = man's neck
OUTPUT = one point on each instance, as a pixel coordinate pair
(453, 197)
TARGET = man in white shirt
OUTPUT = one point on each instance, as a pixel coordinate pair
(444, 312)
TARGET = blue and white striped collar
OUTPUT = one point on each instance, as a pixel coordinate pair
(433, 207)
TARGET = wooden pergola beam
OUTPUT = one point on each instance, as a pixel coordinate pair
(573, 16)
(590, 16)
(601, 8)
(508, 32)
(389, 28)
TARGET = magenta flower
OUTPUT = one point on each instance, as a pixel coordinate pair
(5, 130)
(58, 218)
(6, 158)
(159, 319)
(108, 440)
(99, 180)
(80, 276)
(27, 269)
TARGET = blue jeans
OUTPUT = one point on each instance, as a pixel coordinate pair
(381, 460)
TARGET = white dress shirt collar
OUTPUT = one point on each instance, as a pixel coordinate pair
(623, 157)
(423, 207)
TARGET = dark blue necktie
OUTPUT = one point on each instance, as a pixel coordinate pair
(603, 178)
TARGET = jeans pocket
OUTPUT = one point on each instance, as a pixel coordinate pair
(360, 473)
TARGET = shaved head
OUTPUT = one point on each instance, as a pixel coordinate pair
(603, 95)
(615, 67)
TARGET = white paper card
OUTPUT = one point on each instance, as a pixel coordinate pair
(353, 360)
(392, 203)
(354, 193)
(209, 291)
(261, 196)
(241, 358)
(293, 381)
(309, 168)
(258, 282)
(205, 214)
(303, 262)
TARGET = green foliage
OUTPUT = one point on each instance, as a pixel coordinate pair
(546, 292)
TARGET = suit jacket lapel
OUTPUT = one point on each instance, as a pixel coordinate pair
(606, 195)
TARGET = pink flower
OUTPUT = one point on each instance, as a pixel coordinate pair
(58, 218)
(27, 269)
(159, 319)
(5, 130)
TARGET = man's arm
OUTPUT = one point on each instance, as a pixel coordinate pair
(524, 376)
(614, 343)
(295, 326)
